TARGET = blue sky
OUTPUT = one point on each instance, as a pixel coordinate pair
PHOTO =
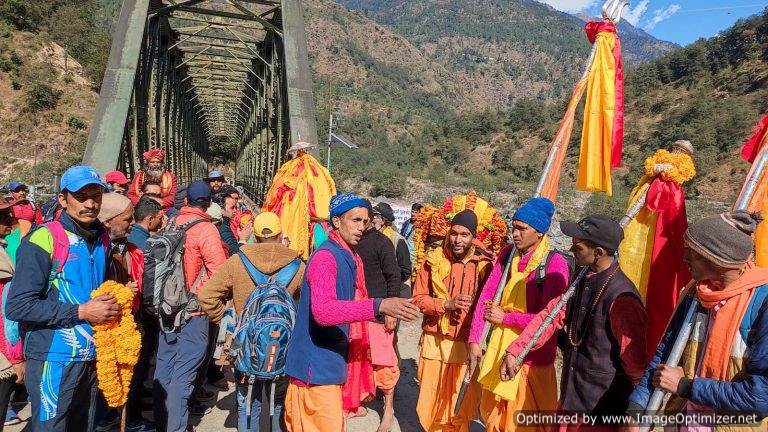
(679, 21)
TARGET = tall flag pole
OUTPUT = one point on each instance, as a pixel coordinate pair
(754, 150)
(651, 254)
(602, 134)
(550, 174)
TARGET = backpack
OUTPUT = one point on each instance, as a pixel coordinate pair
(51, 209)
(541, 270)
(260, 340)
(59, 255)
(165, 293)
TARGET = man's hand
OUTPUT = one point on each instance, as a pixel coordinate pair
(133, 286)
(494, 314)
(98, 310)
(508, 369)
(390, 324)
(399, 308)
(460, 302)
(20, 369)
(667, 378)
(245, 232)
(475, 355)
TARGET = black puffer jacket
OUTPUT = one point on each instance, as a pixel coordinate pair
(382, 273)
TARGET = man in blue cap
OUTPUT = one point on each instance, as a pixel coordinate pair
(216, 180)
(58, 266)
(23, 208)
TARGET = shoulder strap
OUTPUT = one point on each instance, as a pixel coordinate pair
(287, 273)
(190, 224)
(60, 246)
(257, 277)
(753, 310)
(541, 270)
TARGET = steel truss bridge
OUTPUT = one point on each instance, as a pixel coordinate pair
(188, 75)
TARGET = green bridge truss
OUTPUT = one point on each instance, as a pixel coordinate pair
(184, 74)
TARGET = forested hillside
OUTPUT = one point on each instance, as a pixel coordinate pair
(427, 95)
(503, 50)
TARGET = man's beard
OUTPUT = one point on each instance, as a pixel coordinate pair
(154, 174)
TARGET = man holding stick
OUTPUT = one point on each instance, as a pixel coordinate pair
(724, 366)
(603, 326)
(537, 275)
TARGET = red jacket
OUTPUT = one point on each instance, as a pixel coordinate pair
(202, 247)
(167, 188)
(25, 210)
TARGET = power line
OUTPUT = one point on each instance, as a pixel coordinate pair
(725, 8)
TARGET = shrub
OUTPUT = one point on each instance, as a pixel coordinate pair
(76, 123)
(42, 97)
(387, 181)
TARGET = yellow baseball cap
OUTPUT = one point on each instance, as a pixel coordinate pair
(266, 225)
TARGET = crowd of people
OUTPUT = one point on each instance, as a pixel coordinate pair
(480, 308)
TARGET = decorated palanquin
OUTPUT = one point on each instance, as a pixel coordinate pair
(432, 225)
(300, 195)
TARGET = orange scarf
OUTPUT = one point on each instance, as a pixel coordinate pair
(737, 296)
(359, 386)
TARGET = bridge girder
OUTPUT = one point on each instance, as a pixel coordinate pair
(185, 74)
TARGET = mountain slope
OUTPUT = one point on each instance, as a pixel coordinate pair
(506, 49)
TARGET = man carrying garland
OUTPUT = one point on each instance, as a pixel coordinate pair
(446, 291)
(603, 326)
(537, 275)
(57, 309)
(724, 368)
(322, 346)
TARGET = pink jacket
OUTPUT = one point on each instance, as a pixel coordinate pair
(202, 247)
(555, 283)
(14, 353)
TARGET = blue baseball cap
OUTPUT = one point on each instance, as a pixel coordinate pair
(215, 174)
(15, 185)
(198, 192)
(80, 176)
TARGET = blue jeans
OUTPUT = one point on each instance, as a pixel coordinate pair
(179, 358)
(259, 390)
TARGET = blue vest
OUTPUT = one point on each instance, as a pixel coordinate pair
(317, 355)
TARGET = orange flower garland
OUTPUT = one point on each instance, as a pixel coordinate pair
(682, 167)
(431, 221)
(117, 346)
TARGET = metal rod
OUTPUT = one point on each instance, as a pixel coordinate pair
(631, 214)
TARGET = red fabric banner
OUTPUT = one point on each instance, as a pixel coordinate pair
(668, 273)
(755, 142)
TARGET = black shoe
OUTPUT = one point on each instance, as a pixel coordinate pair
(199, 410)
(202, 394)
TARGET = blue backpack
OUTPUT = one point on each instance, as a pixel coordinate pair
(260, 340)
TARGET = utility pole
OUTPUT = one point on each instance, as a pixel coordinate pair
(333, 116)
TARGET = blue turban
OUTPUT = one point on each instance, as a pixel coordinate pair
(536, 212)
(344, 202)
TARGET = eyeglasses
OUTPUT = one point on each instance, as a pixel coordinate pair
(152, 195)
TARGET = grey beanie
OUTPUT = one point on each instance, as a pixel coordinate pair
(726, 239)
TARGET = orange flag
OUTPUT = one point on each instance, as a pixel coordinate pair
(602, 134)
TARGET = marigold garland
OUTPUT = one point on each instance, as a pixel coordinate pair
(682, 168)
(117, 346)
(432, 221)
